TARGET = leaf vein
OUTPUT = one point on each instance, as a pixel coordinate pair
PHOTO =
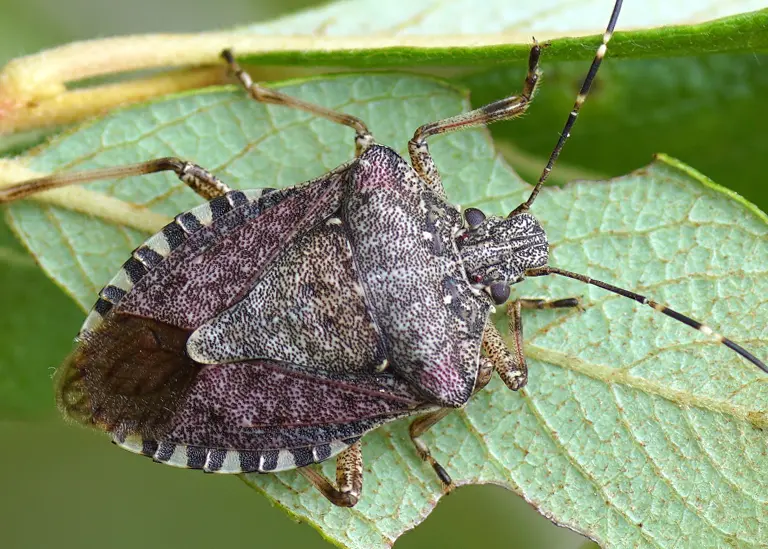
(657, 468)
(552, 434)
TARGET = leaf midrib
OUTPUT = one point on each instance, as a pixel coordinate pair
(613, 376)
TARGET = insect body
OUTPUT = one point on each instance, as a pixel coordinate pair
(270, 330)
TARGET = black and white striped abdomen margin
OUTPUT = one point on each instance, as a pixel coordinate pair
(213, 460)
(154, 250)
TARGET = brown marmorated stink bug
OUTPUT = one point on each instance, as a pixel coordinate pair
(269, 330)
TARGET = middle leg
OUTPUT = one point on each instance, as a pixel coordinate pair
(510, 365)
(422, 424)
(349, 478)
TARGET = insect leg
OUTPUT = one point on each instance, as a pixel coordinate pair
(363, 137)
(198, 179)
(421, 425)
(504, 109)
(510, 363)
(349, 478)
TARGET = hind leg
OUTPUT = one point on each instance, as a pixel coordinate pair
(349, 478)
(197, 178)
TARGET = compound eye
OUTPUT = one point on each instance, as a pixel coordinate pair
(474, 217)
(499, 292)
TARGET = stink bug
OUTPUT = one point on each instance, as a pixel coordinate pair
(269, 330)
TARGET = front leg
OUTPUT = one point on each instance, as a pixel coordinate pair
(504, 109)
(510, 363)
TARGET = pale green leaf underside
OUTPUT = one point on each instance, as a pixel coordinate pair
(465, 32)
(633, 429)
(446, 17)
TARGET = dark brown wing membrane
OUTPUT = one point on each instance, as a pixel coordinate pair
(133, 377)
(132, 372)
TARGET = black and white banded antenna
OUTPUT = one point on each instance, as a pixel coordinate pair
(525, 206)
(696, 325)
(566, 133)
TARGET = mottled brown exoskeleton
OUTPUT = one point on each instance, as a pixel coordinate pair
(269, 330)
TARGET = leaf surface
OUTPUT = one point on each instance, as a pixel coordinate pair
(464, 31)
(633, 429)
(707, 110)
(448, 36)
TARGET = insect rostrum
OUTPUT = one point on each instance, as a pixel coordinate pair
(269, 330)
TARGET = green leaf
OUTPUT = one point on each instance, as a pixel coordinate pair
(707, 110)
(438, 36)
(660, 83)
(467, 33)
(634, 430)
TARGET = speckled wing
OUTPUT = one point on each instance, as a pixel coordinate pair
(258, 416)
(217, 264)
(307, 309)
(263, 408)
(261, 417)
(130, 369)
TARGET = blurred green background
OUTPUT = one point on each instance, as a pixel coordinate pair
(66, 487)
